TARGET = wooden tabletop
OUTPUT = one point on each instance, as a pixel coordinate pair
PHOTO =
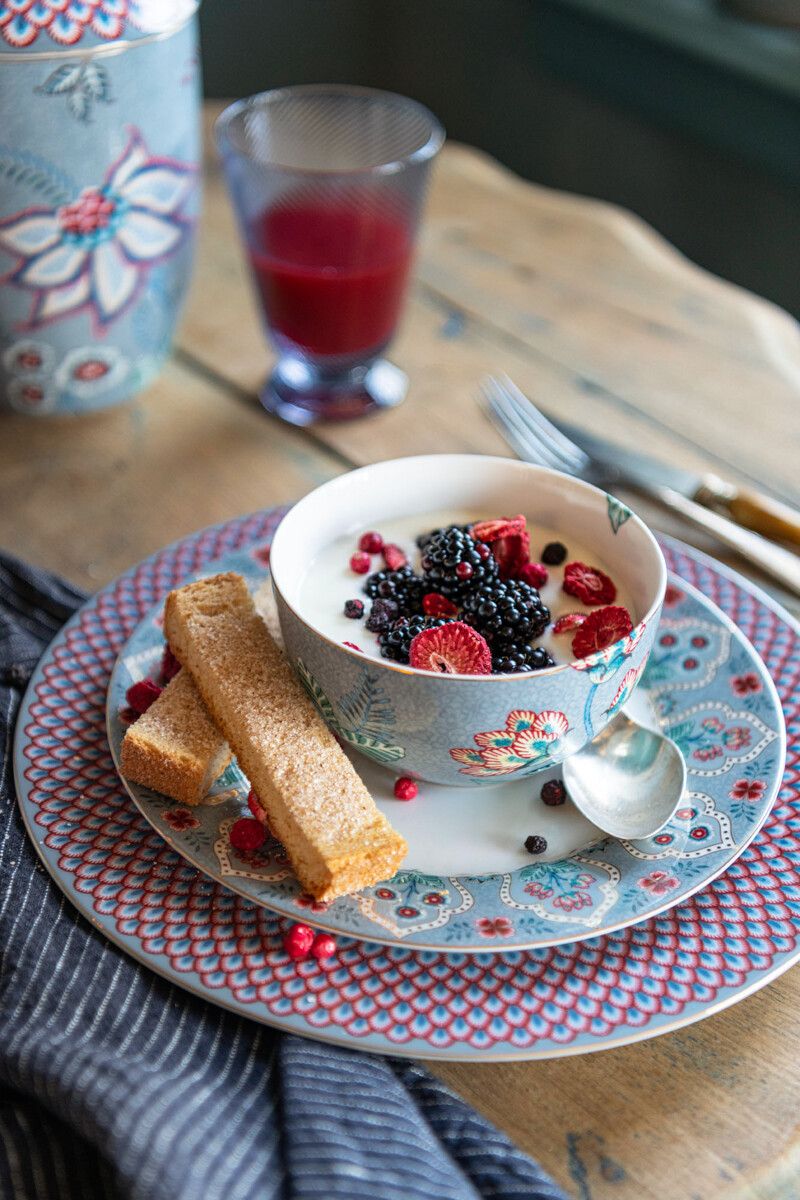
(601, 321)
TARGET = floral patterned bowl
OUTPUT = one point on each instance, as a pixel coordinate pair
(460, 729)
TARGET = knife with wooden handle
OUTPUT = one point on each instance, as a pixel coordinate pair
(751, 508)
(746, 506)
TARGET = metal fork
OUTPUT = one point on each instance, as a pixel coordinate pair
(536, 440)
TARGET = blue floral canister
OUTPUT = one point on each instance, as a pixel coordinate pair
(99, 189)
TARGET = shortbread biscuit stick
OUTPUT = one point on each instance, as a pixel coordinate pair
(336, 839)
(177, 750)
(175, 747)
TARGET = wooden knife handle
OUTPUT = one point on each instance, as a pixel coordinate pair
(753, 509)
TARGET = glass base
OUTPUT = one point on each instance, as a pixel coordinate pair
(303, 395)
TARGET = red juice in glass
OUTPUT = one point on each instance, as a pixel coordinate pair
(328, 183)
(331, 275)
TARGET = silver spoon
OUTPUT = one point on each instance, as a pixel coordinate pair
(628, 781)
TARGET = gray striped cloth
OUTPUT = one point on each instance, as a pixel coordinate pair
(113, 1083)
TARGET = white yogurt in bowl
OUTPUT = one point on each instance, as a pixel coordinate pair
(460, 728)
(329, 581)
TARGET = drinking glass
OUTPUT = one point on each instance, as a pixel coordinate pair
(328, 183)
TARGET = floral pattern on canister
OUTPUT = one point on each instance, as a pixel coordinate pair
(94, 253)
(68, 22)
(526, 741)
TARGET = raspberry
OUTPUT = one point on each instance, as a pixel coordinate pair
(601, 628)
(554, 554)
(590, 585)
(394, 557)
(142, 694)
(359, 562)
(510, 543)
(535, 844)
(434, 604)
(298, 941)
(370, 543)
(323, 946)
(354, 609)
(169, 665)
(553, 793)
(452, 649)
(247, 834)
(382, 615)
(569, 621)
(405, 788)
(536, 574)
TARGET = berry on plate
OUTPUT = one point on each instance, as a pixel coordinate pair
(553, 793)
(405, 788)
(247, 833)
(535, 844)
(298, 941)
(602, 628)
(354, 609)
(452, 649)
(589, 584)
(142, 694)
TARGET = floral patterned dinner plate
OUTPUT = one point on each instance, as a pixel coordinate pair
(707, 951)
(468, 882)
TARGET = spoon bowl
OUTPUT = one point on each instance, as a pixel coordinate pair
(628, 781)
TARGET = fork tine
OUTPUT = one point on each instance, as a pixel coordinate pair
(535, 448)
(509, 435)
(537, 443)
(519, 437)
(543, 427)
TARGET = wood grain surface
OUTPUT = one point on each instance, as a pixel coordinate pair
(592, 314)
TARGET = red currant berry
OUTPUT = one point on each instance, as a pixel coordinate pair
(405, 788)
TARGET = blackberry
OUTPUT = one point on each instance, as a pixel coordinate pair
(553, 792)
(507, 614)
(382, 615)
(535, 844)
(453, 563)
(402, 586)
(424, 538)
(354, 609)
(514, 659)
(396, 642)
(554, 554)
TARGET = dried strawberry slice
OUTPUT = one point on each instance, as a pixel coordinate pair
(451, 649)
(434, 604)
(394, 557)
(509, 540)
(602, 628)
(589, 584)
(492, 531)
(569, 621)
